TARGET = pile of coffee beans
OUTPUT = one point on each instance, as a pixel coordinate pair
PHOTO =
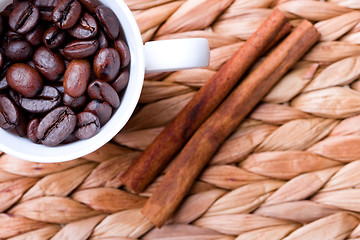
(64, 65)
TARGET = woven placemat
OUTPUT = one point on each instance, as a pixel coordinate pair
(290, 171)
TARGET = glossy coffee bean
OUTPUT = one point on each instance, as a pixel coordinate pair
(11, 36)
(66, 13)
(124, 52)
(21, 127)
(103, 40)
(59, 86)
(85, 29)
(19, 51)
(90, 5)
(81, 49)
(56, 126)
(121, 81)
(31, 130)
(87, 126)
(50, 64)
(24, 17)
(106, 64)
(46, 8)
(101, 90)
(24, 79)
(54, 37)
(9, 113)
(101, 109)
(47, 100)
(35, 36)
(75, 103)
(108, 20)
(76, 77)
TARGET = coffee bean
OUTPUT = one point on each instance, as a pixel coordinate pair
(11, 36)
(24, 17)
(9, 113)
(90, 5)
(86, 28)
(108, 20)
(56, 126)
(35, 36)
(21, 126)
(24, 79)
(76, 77)
(74, 103)
(101, 109)
(49, 64)
(32, 128)
(87, 126)
(46, 8)
(6, 12)
(59, 86)
(101, 90)
(103, 41)
(106, 64)
(1, 60)
(81, 49)
(47, 100)
(124, 52)
(18, 51)
(121, 81)
(67, 13)
(54, 37)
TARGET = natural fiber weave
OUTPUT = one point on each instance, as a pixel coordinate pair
(290, 171)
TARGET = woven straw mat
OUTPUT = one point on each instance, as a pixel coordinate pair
(290, 171)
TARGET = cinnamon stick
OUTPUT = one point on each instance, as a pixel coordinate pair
(211, 134)
(174, 136)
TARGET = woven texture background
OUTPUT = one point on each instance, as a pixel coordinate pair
(290, 171)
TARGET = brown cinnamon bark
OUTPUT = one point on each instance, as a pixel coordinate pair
(174, 136)
(211, 134)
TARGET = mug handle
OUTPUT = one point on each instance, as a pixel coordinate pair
(176, 54)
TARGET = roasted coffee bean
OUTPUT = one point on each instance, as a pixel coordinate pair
(108, 20)
(56, 126)
(35, 36)
(81, 49)
(24, 17)
(74, 103)
(124, 52)
(101, 90)
(24, 79)
(32, 128)
(54, 37)
(9, 113)
(90, 5)
(121, 81)
(76, 77)
(11, 36)
(66, 13)
(106, 64)
(21, 126)
(70, 139)
(15, 97)
(66, 57)
(103, 41)
(59, 86)
(101, 109)
(46, 8)
(47, 100)
(87, 126)
(86, 28)
(18, 51)
(49, 64)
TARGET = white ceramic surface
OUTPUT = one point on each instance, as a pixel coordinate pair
(25, 149)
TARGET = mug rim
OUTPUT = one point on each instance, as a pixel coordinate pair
(129, 101)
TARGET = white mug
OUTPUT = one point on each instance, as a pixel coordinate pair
(156, 56)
